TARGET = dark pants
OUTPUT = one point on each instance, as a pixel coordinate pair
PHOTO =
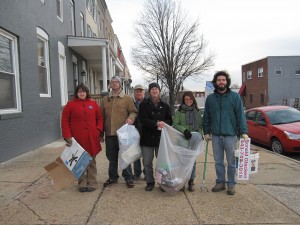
(112, 152)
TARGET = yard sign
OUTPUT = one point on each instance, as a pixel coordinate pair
(244, 160)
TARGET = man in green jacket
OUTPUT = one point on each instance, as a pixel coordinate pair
(223, 120)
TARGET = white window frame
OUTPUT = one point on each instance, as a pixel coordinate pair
(297, 71)
(260, 72)
(72, 17)
(278, 69)
(82, 24)
(89, 31)
(15, 67)
(61, 17)
(249, 75)
(42, 35)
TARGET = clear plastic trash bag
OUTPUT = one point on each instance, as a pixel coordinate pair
(129, 145)
(176, 157)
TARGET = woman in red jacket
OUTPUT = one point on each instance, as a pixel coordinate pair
(82, 119)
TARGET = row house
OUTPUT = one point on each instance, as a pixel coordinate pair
(47, 47)
(274, 80)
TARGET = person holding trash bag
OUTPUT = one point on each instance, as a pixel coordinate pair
(223, 120)
(82, 119)
(118, 109)
(186, 120)
(153, 114)
(139, 95)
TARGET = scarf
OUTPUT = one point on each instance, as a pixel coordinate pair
(191, 116)
(155, 101)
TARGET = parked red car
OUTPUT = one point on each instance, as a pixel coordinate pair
(275, 126)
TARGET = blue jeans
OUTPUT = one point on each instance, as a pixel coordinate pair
(112, 152)
(220, 145)
(148, 156)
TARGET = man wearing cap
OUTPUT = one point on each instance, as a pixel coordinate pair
(139, 94)
(118, 109)
(153, 114)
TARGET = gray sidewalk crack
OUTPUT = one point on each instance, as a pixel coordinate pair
(193, 210)
(94, 206)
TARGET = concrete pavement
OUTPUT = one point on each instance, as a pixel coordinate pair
(271, 196)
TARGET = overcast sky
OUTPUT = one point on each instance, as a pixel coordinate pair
(238, 31)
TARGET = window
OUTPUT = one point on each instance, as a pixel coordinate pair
(43, 63)
(250, 115)
(75, 71)
(10, 97)
(59, 9)
(260, 72)
(99, 21)
(278, 70)
(251, 98)
(260, 117)
(91, 6)
(249, 75)
(72, 17)
(262, 98)
(297, 72)
(81, 24)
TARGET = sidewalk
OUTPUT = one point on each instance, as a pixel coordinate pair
(271, 196)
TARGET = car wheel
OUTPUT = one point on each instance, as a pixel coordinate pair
(276, 146)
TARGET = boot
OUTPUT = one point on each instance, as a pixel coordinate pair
(191, 185)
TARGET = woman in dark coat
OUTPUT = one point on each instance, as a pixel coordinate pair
(153, 114)
(82, 119)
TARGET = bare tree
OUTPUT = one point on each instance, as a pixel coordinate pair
(168, 46)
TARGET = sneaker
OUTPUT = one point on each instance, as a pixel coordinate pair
(218, 187)
(90, 189)
(231, 190)
(149, 187)
(82, 189)
(130, 184)
(110, 182)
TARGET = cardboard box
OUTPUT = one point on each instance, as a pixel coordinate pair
(76, 159)
(60, 174)
(69, 167)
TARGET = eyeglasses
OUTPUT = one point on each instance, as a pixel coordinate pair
(82, 91)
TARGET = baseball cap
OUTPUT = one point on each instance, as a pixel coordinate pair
(139, 87)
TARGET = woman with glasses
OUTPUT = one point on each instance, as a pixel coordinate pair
(82, 119)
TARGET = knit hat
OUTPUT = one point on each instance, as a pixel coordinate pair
(116, 78)
(152, 85)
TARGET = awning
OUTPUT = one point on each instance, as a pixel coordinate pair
(242, 91)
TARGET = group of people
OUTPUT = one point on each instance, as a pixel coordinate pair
(84, 120)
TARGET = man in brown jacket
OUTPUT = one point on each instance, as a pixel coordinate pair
(117, 109)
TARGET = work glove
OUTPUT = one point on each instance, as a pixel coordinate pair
(207, 137)
(245, 137)
(69, 141)
(187, 134)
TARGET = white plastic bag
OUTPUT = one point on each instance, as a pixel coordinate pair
(176, 157)
(129, 144)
